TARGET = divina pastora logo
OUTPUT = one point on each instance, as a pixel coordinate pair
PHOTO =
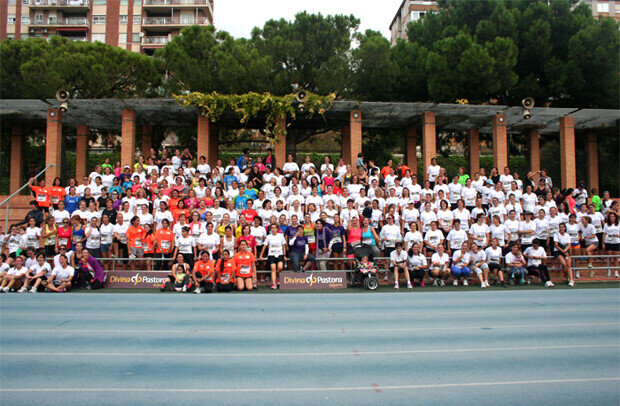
(326, 280)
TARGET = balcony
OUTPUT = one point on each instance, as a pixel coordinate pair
(79, 22)
(69, 5)
(155, 41)
(166, 5)
(171, 22)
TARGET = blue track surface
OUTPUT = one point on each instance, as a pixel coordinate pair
(511, 347)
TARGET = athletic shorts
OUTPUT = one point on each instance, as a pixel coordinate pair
(575, 245)
(136, 252)
(612, 247)
(105, 248)
(271, 260)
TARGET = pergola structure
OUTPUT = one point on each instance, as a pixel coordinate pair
(349, 116)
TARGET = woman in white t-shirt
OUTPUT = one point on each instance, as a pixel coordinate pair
(433, 239)
(93, 238)
(562, 242)
(275, 245)
(413, 236)
(611, 237)
(106, 231)
(32, 234)
(439, 269)
(590, 240)
(480, 232)
(494, 257)
(37, 274)
(432, 172)
(417, 264)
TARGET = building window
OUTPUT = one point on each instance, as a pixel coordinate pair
(122, 37)
(137, 19)
(10, 19)
(38, 18)
(100, 2)
(25, 20)
(135, 38)
(10, 36)
(26, 2)
(602, 7)
(122, 19)
(98, 38)
(52, 20)
(124, 2)
(98, 19)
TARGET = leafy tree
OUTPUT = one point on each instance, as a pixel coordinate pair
(312, 51)
(409, 59)
(374, 72)
(36, 68)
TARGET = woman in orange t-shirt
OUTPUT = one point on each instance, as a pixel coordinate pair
(246, 267)
(203, 275)
(164, 245)
(225, 269)
(148, 246)
(57, 193)
(135, 234)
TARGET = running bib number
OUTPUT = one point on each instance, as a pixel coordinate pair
(311, 239)
(390, 244)
(368, 241)
(275, 250)
(165, 245)
(138, 242)
(62, 241)
(245, 269)
(106, 239)
(225, 278)
(55, 199)
(41, 198)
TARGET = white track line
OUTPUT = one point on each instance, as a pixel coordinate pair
(334, 313)
(308, 354)
(298, 331)
(338, 389)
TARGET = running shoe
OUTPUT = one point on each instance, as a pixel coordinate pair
(571, 283)
(522, 281)
(274, 286)
(616, 274)
(551, 284)
(465, 283)
(198, 291)
(503, 284)
(455, 283)
(177, 289)
(577, 276)
(409, 285)
(33, 290)
(396, 286)
(482, 285)
(435, 283)
(442, 283)
(23, 289)
(422, 284)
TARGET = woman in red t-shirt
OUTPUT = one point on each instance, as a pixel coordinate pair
(65, 234)
(246, 267)
(247, 237)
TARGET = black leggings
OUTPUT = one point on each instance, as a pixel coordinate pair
(225, 287)
(541, 270)
(416, 274)
(164, 262)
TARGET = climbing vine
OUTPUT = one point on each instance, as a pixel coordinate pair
(251, 105)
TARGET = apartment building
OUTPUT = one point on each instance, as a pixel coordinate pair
(137, 25)
(604, 8)
(409, 11)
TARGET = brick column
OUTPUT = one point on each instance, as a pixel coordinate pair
(203, 137)
(280, 146)
(429, 140)
(592, 150)
(214, 144)
(534, 149)
(500, 142)
(355, 134)
(128, 138)
(412, 147)
(147, 132)
(345, 143)
(473, 143)
(81, 152)
(567, 152)
(16, 171)
(53, 145)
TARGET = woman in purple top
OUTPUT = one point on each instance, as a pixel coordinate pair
(89, 272)
(299, 250)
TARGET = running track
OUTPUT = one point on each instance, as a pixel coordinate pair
(555, 347)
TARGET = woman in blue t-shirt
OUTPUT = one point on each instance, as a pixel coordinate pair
(299, 250)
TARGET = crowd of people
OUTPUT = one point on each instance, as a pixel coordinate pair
(212, 228)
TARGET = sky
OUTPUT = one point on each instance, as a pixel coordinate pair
(238, 17)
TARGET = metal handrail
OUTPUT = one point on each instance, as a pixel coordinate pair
(7, 200)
